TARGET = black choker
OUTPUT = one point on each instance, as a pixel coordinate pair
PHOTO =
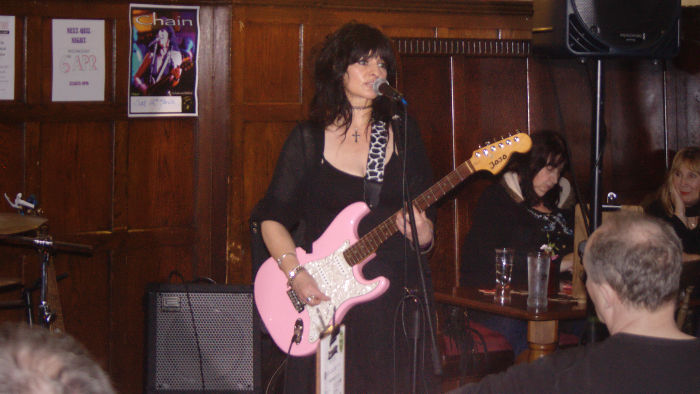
(365, 107)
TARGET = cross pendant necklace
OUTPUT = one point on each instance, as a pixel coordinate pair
(356, 135)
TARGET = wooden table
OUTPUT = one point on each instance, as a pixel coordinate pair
(542, 327)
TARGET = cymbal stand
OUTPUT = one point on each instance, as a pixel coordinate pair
(44, 246)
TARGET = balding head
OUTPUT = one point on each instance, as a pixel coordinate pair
(638, 256)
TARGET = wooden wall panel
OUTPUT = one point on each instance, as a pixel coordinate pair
(262, 140)
(160, 190)
(11, 181)
(84, 291)
(634, 118)
(76, 181)
(272, 63)
(11, 159)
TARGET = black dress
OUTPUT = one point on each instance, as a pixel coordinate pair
(378, 353)
(689, 237)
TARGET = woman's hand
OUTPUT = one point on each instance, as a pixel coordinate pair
(424, 226)
(307, 290)
(567, 263)
(678, 204)
(280, 244)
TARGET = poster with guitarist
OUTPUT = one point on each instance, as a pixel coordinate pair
(163, 66)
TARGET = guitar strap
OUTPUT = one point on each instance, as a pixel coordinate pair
(374, 176)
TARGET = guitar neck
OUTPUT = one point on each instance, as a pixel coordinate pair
(369, 243)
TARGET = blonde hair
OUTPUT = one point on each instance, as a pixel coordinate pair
(689, 156)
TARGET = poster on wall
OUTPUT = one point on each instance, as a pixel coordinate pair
(7, 57)
(163, 60)
(78, 49)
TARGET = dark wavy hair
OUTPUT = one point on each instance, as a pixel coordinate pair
(171, 38)
(347, 45)
(548, 149)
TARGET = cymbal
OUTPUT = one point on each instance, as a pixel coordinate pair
(14, 223)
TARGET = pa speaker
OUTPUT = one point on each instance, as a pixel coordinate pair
(201, 338)
(601, 28)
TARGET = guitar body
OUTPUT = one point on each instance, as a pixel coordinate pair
(343, 283)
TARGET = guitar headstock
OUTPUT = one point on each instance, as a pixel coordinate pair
(495, 156)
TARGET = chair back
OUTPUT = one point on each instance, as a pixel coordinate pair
(690, 276)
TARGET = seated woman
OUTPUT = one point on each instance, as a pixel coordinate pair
(677, 200)
(529, 207)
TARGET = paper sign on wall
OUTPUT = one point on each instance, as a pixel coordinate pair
(78, 47)
(7, 57)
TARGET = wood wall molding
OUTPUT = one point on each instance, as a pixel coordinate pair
(462, 47)
(475, 7)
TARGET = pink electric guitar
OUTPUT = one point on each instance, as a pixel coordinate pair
(338, 257)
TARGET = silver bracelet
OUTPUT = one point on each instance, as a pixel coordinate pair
(293, 274)
(279, 259)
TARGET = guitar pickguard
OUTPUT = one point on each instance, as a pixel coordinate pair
(335, 279)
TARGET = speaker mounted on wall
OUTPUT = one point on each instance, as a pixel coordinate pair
(201, 338)
(605, 28)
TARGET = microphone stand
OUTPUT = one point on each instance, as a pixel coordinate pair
(437, 368)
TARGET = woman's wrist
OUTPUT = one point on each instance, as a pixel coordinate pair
(291, 275)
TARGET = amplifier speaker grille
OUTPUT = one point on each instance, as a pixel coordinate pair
(221, 319)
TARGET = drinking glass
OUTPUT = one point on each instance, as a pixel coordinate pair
(504, 271)
(537, 280)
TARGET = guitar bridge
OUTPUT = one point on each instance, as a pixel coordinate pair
(296, 302)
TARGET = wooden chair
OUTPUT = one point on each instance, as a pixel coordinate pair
(690, 276)
(23, 301)
(469, 350)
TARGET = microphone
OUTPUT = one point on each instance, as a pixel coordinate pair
(382, 88)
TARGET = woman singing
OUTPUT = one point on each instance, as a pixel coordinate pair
(326, 164)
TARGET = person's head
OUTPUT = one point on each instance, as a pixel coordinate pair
(165, 37)
(38, 361)
(684, 176)
(638, 257)
(349, 61)
(540, 169)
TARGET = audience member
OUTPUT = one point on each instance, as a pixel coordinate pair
(38, 361)
(529, 208)
(633, 264)
(678, 197)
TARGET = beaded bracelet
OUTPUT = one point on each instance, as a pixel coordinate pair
(293, 274)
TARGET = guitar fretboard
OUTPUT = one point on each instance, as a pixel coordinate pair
(369, 243)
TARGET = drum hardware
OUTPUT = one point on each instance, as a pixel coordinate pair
(13, 224)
